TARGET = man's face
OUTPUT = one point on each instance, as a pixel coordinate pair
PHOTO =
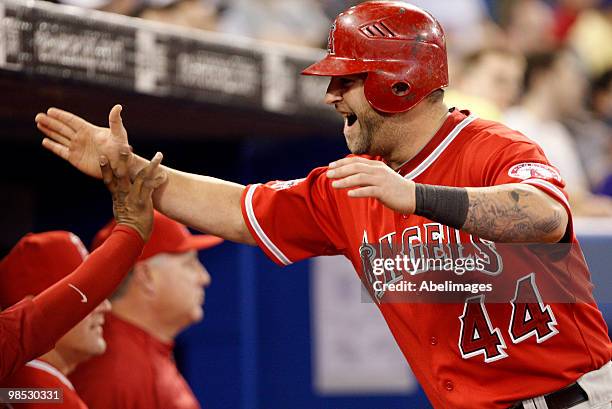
(179, 281)
(361, 122)
(498, 78)
(569, 84)
(85, 339)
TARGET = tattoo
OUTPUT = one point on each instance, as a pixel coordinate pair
(515, 215)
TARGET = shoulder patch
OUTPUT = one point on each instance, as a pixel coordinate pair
(534, 170)
(285, 184)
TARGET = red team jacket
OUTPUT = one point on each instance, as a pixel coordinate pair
(20, 327)
(40, 374)
(471, 355)
(137, 371)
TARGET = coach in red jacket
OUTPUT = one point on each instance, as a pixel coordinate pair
(161, 297)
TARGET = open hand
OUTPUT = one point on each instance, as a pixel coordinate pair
(132, 202)
(373, 178)
(81, 143)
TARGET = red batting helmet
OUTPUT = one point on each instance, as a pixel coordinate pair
(400, 46)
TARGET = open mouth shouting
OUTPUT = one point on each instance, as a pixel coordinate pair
(350, 119)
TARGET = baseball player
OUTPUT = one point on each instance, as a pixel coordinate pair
(31, 326)
(418, 172)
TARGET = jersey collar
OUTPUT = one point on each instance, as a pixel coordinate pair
(452, 126)
(50, 369)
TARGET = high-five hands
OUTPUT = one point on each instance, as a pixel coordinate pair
(371, 178)
(82, 143)
(132, 203)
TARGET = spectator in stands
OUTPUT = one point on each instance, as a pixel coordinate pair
(161, 297)
(601, 106)
(601, 97)
(593, 135)
(298, 22)
(201, 14)
(467, 24)
(566, 13)
(590, 36)
(529, 25)
(198, 14)
(125, 7)
(554, 90)
(488, 81)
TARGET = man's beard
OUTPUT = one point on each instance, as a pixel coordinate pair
(370, 124)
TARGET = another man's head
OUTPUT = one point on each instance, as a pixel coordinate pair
(35, 263)
(385, 58)
(601, 96)
(557, 79)
(165, 291)
(495, 75)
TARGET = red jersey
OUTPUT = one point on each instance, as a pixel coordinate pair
(470, 355)
(19, 340)
(136, 371)
(40, 374)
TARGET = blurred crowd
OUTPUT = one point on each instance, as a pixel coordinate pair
(543, 67)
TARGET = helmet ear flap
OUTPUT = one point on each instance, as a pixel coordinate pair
(388, 92)
(400, 88)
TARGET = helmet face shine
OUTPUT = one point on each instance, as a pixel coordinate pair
(400, 46)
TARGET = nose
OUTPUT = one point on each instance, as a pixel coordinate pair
(333, 94)
(204, 278)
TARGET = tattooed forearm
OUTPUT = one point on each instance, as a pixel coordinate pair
(514, 213)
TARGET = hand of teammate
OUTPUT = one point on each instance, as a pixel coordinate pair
(132, 203)
(372, 178)
(81, 143)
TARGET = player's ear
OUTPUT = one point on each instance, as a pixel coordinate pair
(144, 279)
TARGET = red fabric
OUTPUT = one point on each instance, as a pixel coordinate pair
(564, 21)
(34, 377)
(62, 305)
(20, 340)
(303, 218)
(168, 236)
(137, 371)
(32, 327)
(38, 261)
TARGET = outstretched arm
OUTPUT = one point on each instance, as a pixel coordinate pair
(505, 213)
(205, 203)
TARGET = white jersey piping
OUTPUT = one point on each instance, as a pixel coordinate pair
(248, 202)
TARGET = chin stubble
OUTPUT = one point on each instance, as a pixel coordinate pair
(370, 124)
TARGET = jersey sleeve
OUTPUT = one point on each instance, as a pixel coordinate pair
(525, 162)
(20, 336)
(294, 220)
